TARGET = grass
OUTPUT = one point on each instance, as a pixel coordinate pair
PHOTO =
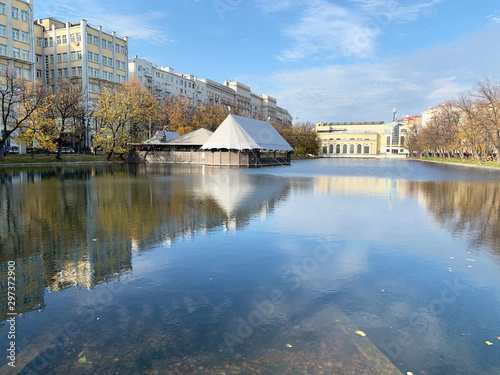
(470, 161)
(43, 158)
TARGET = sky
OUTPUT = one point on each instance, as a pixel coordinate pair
(323, 60)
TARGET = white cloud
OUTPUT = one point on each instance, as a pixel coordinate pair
(326, 30)
(140, 27)
(366, 91)
(494, 18)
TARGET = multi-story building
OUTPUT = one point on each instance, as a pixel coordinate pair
(16, 37)
(164, 82)
(361, 138)
(82, 53)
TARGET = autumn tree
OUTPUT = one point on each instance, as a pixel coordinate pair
(487, 94)
(39, 129)
(178, 113)
(20, 98)
(67, 110)
(413, 140)
(306, 139)
(122, 113)
(209, 116)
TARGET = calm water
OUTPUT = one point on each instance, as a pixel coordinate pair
(183, 269)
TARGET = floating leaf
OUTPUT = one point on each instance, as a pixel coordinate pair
(82, 360)
(288, 345)
(361, 333)
(489, 343)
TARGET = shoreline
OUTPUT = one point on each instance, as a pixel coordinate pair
(59, 164)
(457, 164)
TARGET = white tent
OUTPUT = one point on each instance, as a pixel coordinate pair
(241, 133)
(197, 137)
(161, 137)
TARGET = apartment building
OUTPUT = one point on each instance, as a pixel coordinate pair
(16, 37)
(164, 82)
(80, 52)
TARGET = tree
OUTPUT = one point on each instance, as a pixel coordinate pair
(306, 139)
(413, 139)
(122, 113)
(209, 116)
(488, 96)
(19, 99)
(177, 112)
(39, 129)
(67, 110)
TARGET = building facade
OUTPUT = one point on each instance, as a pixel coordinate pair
(361, 139)
(164, 83)
(17, 37)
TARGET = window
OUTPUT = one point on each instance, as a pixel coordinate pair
(140, 79)
(90, 72)
(24, 15)
(117, 48)
(16, 53)
(65, 72)
(104, 60)
(39, 59)
(15, 13)
(344, 149)
(331, 149)
(72, 38)
(2, 8)
(96, 40)
(65, 57)
(3, 50)
(78, 55)
(351, 149)
(59, 58)
(38, 73)
(15, 34)
(388, 141)
(91, 87)
(79, 70)
(51, 42)
(17, 71)
(110, 76)
(367, 149)
(117, 64)
(51, 59)
(359, 149)
(2, 30)
(96, 57)
(110, 61)
(104, 75)
(73, 71)
(337, 149)
(39, 42)
(122, 50)
(59, 73)
(123, 65)
(89, 39)
(64, 39)
(110, 46)
(89, 56)
(73, 55)
(26, 55)
(96, 73)
(58, 38)
(25, 37)
(139, 68)
(103, 43)
(78, 37)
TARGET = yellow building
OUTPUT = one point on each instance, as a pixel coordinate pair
(16, 37)
(361, 139)
(84, 54)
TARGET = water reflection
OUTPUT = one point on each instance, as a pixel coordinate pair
(79, 227)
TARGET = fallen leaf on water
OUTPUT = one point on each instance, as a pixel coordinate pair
(489, 343)
(498, 337)
(82, 360)
(288, 345)
(361, 333)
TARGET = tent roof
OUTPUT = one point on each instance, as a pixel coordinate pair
(197, 137)
(242, 133)
(161, 137)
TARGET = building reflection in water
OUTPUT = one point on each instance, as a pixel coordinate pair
(69, 227)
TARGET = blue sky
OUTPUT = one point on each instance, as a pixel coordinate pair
(346, 60)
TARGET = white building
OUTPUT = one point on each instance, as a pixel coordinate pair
(164, 82)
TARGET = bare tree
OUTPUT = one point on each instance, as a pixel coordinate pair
(67, 109)
(488, 100)
(20, 98)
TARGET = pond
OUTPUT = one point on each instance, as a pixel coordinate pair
(323, 267)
